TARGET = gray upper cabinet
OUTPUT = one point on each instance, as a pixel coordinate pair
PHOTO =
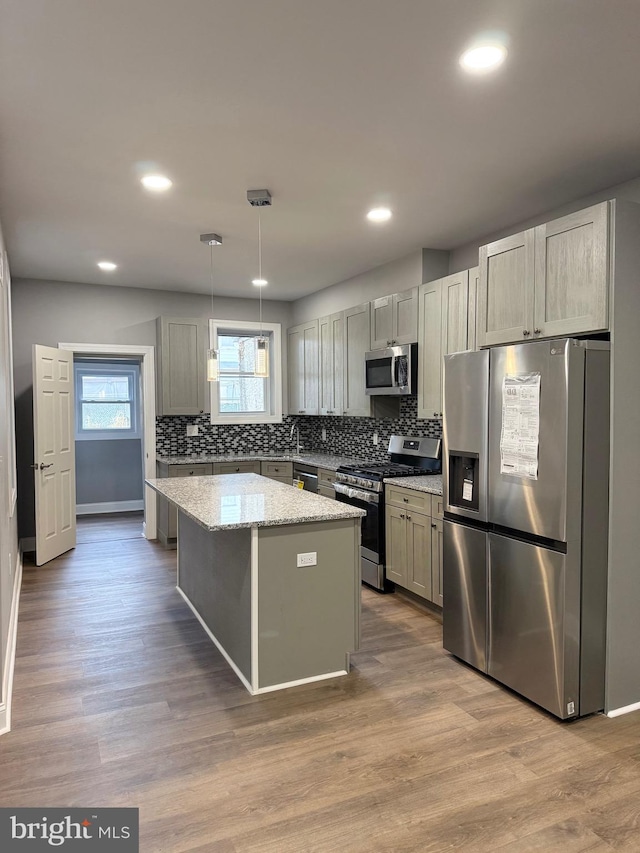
(549, 281)
(357, 342)
(505, 295)
(572, 273)
(394, 319)
(181, 359)
(331, 344)
(443, 307)
(303, 368)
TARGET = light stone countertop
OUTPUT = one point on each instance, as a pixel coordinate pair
(323, 460)
(231, 501)
(430, 483)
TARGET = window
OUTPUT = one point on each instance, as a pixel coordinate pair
(239, 396)
(107, 399)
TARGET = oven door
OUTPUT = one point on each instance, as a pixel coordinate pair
(372, 531)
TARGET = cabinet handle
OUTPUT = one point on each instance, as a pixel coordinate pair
(191, 473)
(402, 515)
(408, 518)
(388, 343)
(434, 526)
(237, 469)
(406, 500)
(301, 411)
(526, 332)
(537, 331)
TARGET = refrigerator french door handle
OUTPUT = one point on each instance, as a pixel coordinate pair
(488, 610)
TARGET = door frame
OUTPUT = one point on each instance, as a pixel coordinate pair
(148, 373)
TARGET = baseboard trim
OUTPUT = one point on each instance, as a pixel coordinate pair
(7, 685)
(627, 709)
(108, 507)
(28, 545)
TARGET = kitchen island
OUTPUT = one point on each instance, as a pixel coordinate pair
(272, 573)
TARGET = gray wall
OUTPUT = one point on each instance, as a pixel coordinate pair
(109, 470)
(466, 256)
(394, 277)
(50, 312)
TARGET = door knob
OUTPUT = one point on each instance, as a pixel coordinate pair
(42, 466)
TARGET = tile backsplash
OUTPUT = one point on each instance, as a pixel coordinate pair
(344, 436)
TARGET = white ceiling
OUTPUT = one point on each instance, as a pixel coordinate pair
(333, 105)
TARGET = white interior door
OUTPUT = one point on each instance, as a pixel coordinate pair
(54, 459)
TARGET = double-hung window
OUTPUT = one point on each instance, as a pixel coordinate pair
(107, 399)
(239, 396)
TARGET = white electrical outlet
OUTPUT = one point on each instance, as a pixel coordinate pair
(192, 429)
(324, 433)
(308, 559)
(375, 438)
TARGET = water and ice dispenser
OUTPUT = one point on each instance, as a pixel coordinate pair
(464, 480)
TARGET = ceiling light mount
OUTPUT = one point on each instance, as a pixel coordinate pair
(259, 198)
(211, 239)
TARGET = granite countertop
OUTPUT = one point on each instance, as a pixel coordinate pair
(430, 483)
(323, 460)
(248, 500)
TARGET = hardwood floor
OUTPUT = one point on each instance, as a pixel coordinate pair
(120, 699)
(109, 526)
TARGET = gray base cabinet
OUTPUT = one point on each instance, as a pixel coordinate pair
(167, 516)
(281, 471)
(413, 530)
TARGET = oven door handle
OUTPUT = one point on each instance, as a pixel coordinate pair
(358, 494)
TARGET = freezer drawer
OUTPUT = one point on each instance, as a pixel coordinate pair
(464, 574)
(534, 624)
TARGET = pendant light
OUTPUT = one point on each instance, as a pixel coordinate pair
(213, 361)
(260, 198)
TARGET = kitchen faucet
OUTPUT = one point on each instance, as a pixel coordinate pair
(295, 428)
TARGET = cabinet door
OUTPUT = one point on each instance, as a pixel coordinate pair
(381, 322)
(405, 317)
(182, 347)
(357, 339)
(396, 547)
(303, 368)
(472, 313)
(505, 296)
(436, 560)
(430, 349)
(455, 309)
(236, 468)
(419, 578)
(572, 273)
(331, 346)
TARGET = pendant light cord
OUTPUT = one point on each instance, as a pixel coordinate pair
(211, 273)
(260, 265)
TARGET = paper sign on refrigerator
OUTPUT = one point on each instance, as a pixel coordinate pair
(520, 435)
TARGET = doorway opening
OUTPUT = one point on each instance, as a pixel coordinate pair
(114, 441)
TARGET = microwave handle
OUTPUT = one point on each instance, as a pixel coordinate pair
(394, 372)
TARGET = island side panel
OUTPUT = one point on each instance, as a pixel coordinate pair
(214, 573)
(308, 618)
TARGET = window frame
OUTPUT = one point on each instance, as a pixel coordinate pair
(271, 331)
(127, 368)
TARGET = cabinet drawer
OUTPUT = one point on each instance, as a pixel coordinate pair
(190, 470)
(236, 468)
(277, 469)
(327, 491)
(437, 506)
(326, 477)
(408, 498)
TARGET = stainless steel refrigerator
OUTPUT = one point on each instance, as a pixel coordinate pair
(525, 476)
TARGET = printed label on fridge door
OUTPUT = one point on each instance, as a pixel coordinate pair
(520, 435)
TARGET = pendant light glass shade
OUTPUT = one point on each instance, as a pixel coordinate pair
(213, 373)
(262, 358)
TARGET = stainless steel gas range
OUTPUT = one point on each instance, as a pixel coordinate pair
(363, 486)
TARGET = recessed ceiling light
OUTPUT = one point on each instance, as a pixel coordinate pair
(156, 183)
(379, 214)
(483, 58)
(107, 266)
(259, 282)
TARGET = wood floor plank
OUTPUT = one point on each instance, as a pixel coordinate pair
(120, 696)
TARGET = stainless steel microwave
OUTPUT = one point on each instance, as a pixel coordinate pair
(392, 371)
